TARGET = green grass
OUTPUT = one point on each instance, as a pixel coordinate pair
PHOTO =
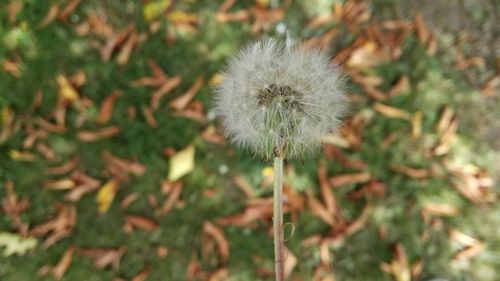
(44, 53)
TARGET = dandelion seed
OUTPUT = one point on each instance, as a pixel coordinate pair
(291, 98)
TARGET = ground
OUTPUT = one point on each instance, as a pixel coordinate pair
(113, 167)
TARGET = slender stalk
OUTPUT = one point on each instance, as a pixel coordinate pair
(278, 219)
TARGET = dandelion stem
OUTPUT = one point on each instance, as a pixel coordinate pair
(278, 218)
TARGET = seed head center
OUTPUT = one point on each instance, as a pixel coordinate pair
(280, 96)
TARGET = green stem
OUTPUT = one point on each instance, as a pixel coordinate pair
(278, 219)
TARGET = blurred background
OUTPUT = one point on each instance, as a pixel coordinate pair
(113, 167)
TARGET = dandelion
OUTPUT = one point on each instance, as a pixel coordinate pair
(279, 100)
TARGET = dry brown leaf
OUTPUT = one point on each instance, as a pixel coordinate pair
(440, 209)
(491, 87)
(114, 41)
(14, 207)
(63, 169)
(411, 172)
(129, 199)
(50, 127)
(243, 184)
(12, 68)
(128, 46)
(364, 57)
(69, 9)
(237, 16)
(333, 153)
(141, 222)
(345, 179)
(59, 184)
(181, 102)
(210, 134)
(46, 151)
(107, 106)
(423, 31)
(143, 275)
(105, 257)
(318, 209)
(104, 133)
(249, 215)
(326, 192)
(170, 84)
(62, 266)
(218, 235)
(392, 112)
(400, 87)
(470, 252)
(226, 6)
(149, 116)
(173, 198)
(133, 167)
(58, 228)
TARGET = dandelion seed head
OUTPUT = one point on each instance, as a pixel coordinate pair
(290, 99)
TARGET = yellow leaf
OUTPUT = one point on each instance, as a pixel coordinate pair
(6, 115)
(154, 9)
(216, 80)
(181, 163)
(268, 172)
(106, 195)
(182, 17)
(17, 155)
(66, 89)
(15, 244)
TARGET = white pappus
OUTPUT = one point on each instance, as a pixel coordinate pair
(276, 98)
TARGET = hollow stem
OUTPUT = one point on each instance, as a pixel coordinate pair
(278, 219)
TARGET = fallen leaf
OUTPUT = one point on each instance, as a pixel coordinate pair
(59, 184)
(166, 88)
(399, 266)
(69, 9)
(17, 155)
(318, 209)
(345, 179)
(181, 102)
(290, 262)
(58, 228)
(12, 68)
(218, 235)
(243, 184)
(440, 209)
(128, 46)
(66, 90)
(411, 172)
(141, 222)
(63, 169)
(104, 133)
(15, 244)
(174, 194)
(107, 106)
(364, 57)
(133, 167)
(154, 9)
(423, 32)
(249, 215)
(62, 266)
(143, 275)
(105, 257)
(106, 195)
(392, 112)
(149, 116)
(491, 87)
(400, 87)
(181, 163)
